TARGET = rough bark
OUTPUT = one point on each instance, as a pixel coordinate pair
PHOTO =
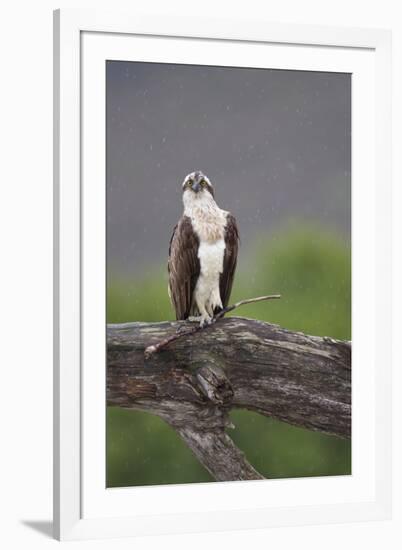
(236, 363)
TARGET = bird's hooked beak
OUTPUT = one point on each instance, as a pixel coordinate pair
(196, 187)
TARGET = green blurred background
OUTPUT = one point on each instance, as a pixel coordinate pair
(311, 269)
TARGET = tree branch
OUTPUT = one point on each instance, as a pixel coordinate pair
(236, 363)
(154, 348)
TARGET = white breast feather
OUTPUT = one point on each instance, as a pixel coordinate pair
(209, 223)
(207, 293)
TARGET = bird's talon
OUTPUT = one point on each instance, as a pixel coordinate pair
(206, 321)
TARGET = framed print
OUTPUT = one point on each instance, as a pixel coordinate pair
(222, 214)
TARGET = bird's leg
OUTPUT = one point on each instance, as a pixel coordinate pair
(209, 308)
(204, 318)
(214, 302)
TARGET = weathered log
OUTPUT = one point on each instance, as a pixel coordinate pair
(236, 363)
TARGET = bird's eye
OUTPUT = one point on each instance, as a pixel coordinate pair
(203, 183)
(188, 183)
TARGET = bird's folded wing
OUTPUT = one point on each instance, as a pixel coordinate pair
(230, 259)
(183, 267)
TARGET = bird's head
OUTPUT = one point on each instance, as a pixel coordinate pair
(197, 188)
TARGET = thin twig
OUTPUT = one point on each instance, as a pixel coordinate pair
(154, 348)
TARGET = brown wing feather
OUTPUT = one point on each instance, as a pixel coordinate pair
(183, 267)
(230, 259)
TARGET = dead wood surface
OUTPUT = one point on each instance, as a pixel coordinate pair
(235, 363)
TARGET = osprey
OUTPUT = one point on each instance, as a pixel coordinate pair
(202, 253)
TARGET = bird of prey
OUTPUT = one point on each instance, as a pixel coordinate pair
(202, 253)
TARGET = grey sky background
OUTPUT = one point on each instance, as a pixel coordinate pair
(275, 144)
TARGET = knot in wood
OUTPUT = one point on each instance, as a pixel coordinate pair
(214, 384)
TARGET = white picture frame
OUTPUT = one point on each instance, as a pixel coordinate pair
(83, 507)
